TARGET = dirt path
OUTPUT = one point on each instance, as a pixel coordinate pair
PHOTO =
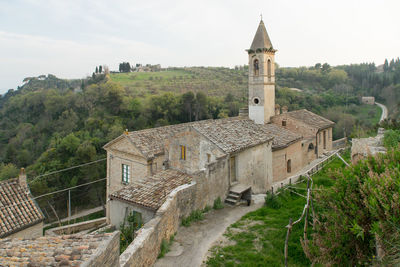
(192, 243)
(384, 111)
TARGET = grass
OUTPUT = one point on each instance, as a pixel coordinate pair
(214, 81)
(257, 239)
(218, 204)
(165, 246)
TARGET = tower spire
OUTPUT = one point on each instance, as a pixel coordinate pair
(261, 39)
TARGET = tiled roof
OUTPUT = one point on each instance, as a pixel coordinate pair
(67, 250)
(151, 141)
(230, 134)
(17, 208)
(152, 191)
(282, 137)
(310, 118)
(234, 134)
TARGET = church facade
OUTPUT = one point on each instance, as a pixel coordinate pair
(225, 158)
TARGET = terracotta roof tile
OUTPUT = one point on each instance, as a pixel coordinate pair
(152, 191)
(234, 134)
(17, 208)
(309, 118)
(51, 250)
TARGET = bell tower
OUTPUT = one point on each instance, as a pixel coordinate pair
(261, 77)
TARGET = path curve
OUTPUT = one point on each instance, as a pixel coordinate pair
(384, 111)
(192, 243)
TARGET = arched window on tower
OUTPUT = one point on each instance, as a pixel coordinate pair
(256, 67)
(269, 69)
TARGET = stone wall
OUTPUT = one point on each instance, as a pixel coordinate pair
(30, 232)
(144, 249)
(206, 187)
(107, 253)
(197, 148)
(254, 167)
(76, 227)
(361, 148)
(280, 158)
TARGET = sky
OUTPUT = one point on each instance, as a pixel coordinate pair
(68, 38)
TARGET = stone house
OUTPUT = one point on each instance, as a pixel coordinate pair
(315, 130)
(369, 100)
(20, 216)
(225, 158)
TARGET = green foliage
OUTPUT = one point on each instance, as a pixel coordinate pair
(165, 246)
(272, 201)
(8, 171)
(218, 204)
(358, 213)
(391, 138)
(128, 228)
(259, 236)
(196, 215)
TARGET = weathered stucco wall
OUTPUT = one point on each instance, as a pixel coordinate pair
(138, 169)
(254, 167)
(280, 158)
(197, 148)
(30, 232)
(119, 210)
(307, 151)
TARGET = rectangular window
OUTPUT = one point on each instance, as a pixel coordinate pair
(284, 123)
(126, 173)
(319, 137)
(208, 158)
(183, 152)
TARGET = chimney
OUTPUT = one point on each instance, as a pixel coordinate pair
(244, 112)
(277, 109)
(284, 109)
(22, 179)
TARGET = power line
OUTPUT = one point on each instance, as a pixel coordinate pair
(67, 169)
(51, 193)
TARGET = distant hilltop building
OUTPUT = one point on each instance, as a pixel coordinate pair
(146, 68)
(370, 100)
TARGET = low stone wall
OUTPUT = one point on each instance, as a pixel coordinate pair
(340, 143)
(145, 248)
(76, 227)
(106, 255)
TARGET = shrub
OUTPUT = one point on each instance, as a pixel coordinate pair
(359, 213)
(272, 201)
(218, 204)
(165, 246)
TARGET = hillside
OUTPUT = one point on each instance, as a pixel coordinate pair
(212, 81)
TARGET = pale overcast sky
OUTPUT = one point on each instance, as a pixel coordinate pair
(68, 38)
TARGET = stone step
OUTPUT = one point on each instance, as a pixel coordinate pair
(230, 202)
(233, 196)
(234, 193)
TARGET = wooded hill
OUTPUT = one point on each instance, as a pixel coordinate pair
(49, 123)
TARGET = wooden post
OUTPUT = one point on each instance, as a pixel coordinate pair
(289, 229)
(306, 215)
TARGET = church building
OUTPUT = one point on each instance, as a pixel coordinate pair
(224, 158)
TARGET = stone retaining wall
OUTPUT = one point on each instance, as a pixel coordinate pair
(145, 248)
(76, 227)
(339, 143)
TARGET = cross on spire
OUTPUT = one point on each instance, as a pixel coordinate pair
(261, 16)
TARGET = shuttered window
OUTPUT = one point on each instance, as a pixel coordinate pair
(126, 173)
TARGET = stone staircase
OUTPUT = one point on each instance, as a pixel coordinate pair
(233, 198)
(236, 193)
